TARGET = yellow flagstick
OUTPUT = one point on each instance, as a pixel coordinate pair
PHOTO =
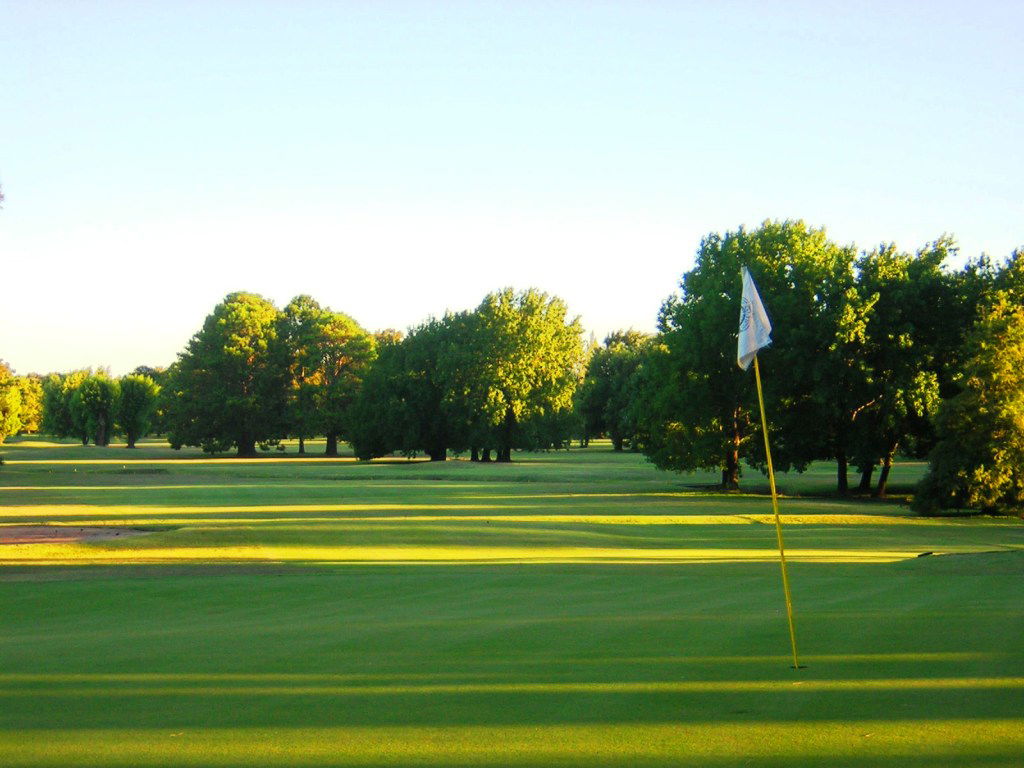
(778, 522)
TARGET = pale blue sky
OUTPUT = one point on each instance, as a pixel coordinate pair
(395, 160)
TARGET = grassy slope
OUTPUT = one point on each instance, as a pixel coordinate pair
(916, 662)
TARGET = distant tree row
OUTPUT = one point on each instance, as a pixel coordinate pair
(497, 378)
(874, 354)
(94, 407)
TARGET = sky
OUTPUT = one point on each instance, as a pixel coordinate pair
(395, 160)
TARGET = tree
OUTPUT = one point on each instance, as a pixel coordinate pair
(93, 405)
(978, 461)
(701, 408)
(136, 405)
(903, 351)
(158, 419)
(607, 389)
(531, 361)
(31, 387)
(328, 355)
(381, 415)
(300, 330)
(61, 415)
(10, 403)
(345, 353)
(410, 401)
(494, 379)
(229, 386)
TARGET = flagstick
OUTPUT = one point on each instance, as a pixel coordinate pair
(778, 522)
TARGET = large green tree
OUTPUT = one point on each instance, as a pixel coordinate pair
(31, 387)
(346, 352)
(61, 415)
(382, 416)
(531, 361)
(903, 353)
(606, 394)
(136, 405)
(978, 461)
(10, 402)
(329, 354)
(300, 330)
(229, 386)
(701, 413)
(411, 400)
(93, 404)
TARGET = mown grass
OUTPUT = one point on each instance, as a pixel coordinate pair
(243, 654)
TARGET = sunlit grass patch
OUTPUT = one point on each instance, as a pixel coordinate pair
(989, 742)
(82, 554)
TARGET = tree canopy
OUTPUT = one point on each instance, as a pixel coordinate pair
(10, 403)
(228, 388)
(136, 406)
(978, 461)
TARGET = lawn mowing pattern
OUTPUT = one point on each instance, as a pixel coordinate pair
(916, 662)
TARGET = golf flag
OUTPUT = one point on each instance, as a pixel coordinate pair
(755, 327)
(755, 333)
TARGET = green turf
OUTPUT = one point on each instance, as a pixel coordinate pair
(309, 612)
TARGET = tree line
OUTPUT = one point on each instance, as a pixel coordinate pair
(875, 354)
(488, 381)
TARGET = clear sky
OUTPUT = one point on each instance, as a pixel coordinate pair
(397, 159)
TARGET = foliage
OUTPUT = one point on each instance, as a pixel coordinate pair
(31, 414)
(380, 417)
(136, 406)
(700, 408)
(159, 375)
(10, 402)
(979, 459)
(328, 355)
(904, 345)
(228, 388)
(500, 377)
(531, 361)
(60, 416)
(93, 405)
(414, 397)
(606, 395)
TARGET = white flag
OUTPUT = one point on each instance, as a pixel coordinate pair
(755, 327)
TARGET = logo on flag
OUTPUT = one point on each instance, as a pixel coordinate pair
(755, 327)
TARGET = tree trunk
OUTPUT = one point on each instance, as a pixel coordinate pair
(332, 444)
(130, 437)
(246, 447)
(617, 443)
(505, 449)
(865, 479)
(842, 483)
(485, 455)
(883, 476)
(302, 444)
(731, 471)
(474, 454)
(438, 453)
(731, 468)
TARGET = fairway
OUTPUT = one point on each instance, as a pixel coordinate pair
(164, 608)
